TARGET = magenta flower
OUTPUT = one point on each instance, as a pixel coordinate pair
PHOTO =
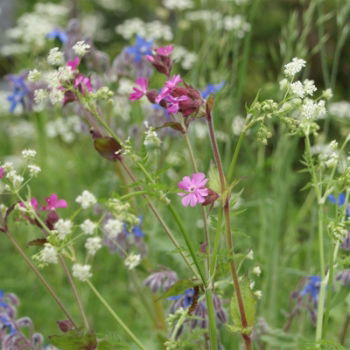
(165, 50)
(83, 82)
(2, 172)
(173, 103)
(139, 91)
(53, 203)
(195, 189)
(33, 202)
(170, 84)
(74, 63)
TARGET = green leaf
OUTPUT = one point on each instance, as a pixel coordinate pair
(343, 292)
(249, 302)
(179, 287)
(76, 339)
(107, 147)
(173, 125)
(214, 179)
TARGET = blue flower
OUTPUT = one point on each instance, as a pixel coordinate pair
(6, 322)
(58, 34)
(340, 201)
(136, 230)
(141, 48)
(20, 90)
(187, 297)
(312, 287)
(212, 89)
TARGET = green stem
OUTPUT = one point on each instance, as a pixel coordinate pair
(40, 277)
(233, 163)
(115, 316)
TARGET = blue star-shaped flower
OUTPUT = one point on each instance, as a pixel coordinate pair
(312, 287)
(20, 90)
(212, 89)
(141, 48)
(58, 34)
(187, 297)
(340, 201)
(136, 230)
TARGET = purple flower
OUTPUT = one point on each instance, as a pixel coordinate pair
(212, 89)
(20, 91)
(195, 189)
(58, 34)
(311, 288)
(54, 203)
(141, 48)
(160, 280)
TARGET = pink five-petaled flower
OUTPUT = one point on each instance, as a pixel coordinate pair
(139, 91)
(53, 203)
(173, 103)
(33, 202)
(2, 172)
(83, 82)
(73, 64)
(195, 189)
(170, 84)
(165, 50)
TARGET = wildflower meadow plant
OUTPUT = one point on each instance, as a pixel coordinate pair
(156, 219)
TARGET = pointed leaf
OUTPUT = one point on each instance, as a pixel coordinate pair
(108, 147)
(37, 242)
(75, 340)
(173, 125)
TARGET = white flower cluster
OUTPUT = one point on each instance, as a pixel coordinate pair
(151, 137)
(302, 89)
(113, 227)
(236, 24)
(81, 48)
(82, 272)
(155, 30)
(88, 227)
(28, 154)
(329, 157)
(86, 199)
(63, 228)
(11, 174)
(93, 244)
(178, 4)
(34, 76)
(185, 57)
(340, 109)
(294, 67)
(32, 28)
(132, 260)
(55, 57)
(34, 170)
(66, 128)
(125, 86)
(48, 255)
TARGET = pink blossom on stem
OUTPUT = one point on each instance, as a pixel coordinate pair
(170, 84)
(33, 202)
(83, 82)
(165, 50)
(139, 91)
(73, 64)
(173, 103)
(195, 190)
(53, 203)
(2, 172)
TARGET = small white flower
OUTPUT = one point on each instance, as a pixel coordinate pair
(258, 294)
(86, 199)
(88, 227)
(297, 89)
(93, 244)
(328, 94)
(257, 270)
(294, 67)
(63, 228)
(65, 73)
(14, 178)
(34, 75)
(81, 48)
(151, 138)
(55, 57)
(48, 254)
(33, 169)
(40, 95)
(82, 272)
(132, 260)
(250, 254)
(113, 227)
(56, 96)
(309, 87)
(178, 4)
(28, 154)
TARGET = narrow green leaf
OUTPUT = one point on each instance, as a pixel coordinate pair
(76, 339)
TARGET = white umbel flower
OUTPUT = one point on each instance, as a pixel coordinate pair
(309, 87)
(113, 227)
(34, 75)
(82, 272)
(297, 89)
(88, 227)
(294, 67)
(33, 169)
(56, 96)
(28, 154)
(86, 199)
(93, 244)
(55, 57)
(48, 254)
(40, 95)
(132, 260)
(81, 48)
(63, 228)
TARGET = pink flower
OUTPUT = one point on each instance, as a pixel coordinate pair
(195, 188)
(2, 173)
(165, 50)
(53, 202)
(173, 103)
(83, 82)
(33, 202)
(139, 91)
(74, 63)
(170, 84)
